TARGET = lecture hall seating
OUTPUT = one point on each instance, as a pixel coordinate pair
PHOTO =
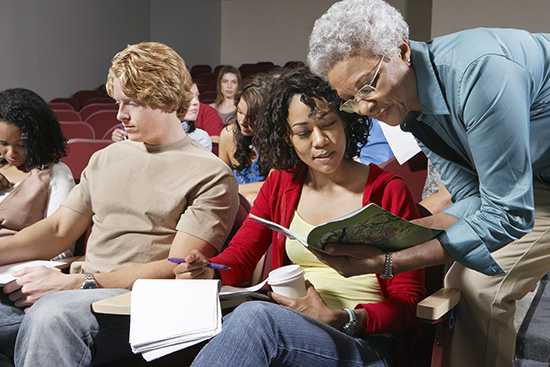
(80, 151)
(102, 121)
(67, 115)
(77, 130)
(91, 108)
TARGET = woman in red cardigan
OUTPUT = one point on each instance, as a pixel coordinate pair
(341, 321)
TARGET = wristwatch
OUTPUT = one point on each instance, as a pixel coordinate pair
(350, 327)
(89, 282)
(388, 267)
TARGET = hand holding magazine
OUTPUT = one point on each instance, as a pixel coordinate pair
(370, 225)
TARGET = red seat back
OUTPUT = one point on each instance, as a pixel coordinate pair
(80, 151)
(77, 130)
(73, 102)
(91, 108)
(82, 96)
(413, 172)
(67, 115)
(102, 121)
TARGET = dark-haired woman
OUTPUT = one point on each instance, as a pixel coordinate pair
(33, 180)
(311, 146)
(236, 147)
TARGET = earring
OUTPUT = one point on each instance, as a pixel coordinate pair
(409, 61)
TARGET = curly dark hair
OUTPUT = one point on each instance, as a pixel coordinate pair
(273, 133)
(40, 129)
(253, 93)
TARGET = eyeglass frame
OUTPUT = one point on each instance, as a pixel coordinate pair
(348, 106)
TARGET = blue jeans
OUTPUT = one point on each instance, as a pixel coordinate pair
(266, 334)
(61, 330)
(10, 319)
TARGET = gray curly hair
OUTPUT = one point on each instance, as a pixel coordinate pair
(351, 26)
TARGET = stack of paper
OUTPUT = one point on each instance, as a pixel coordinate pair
(168, 315)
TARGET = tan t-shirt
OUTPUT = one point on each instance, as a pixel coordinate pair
(140, 195)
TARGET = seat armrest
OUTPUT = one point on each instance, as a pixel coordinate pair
(67, 262)
(438, 304)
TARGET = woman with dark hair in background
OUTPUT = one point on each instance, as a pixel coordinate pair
(229, 82)
(236, 147)
(33, 180)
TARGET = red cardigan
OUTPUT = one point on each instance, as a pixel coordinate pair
(277, 201)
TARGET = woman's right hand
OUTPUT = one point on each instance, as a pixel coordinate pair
(119, 135)
(194, 267)
(4, 183)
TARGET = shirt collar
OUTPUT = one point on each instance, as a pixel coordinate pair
(432, 101)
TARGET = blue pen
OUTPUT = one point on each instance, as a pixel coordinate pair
(177, 260)
(124, 137)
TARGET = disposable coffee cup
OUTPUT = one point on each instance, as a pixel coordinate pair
(288, 281)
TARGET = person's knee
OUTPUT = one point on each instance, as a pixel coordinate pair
(55, 310)
(256, 316)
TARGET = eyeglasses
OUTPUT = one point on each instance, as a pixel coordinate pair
(363, 93)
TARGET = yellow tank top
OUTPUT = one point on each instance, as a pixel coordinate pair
(336, 290)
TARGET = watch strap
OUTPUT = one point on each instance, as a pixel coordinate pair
(89, 281)
(388, 267)
(350, 327)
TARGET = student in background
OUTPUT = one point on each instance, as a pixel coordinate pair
(33, 180)
(311, 146)
(157, 194)
(237, 148)
(210, 121)
(188, 123)
(229, 82)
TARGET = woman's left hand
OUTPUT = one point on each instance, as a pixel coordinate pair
(350, 260)
(312, 305)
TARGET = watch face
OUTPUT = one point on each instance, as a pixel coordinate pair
(88, 284)
(350, 328)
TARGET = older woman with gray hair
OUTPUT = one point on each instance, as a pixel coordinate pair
(478, 103)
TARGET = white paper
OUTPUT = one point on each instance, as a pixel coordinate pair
(228, 291)
(7, 270)
(172, 314)
(402, 144)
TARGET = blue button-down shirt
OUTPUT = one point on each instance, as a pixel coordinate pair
(486, 94)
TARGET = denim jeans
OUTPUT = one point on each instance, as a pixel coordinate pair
(266, 334)
(61, 330)
(10, 319)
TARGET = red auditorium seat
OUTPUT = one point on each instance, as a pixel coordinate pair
(77, 130)
(80, 151)
(102, 121)
(82, 96)
(208, 97)
(73, 102)
(104, 99)
(67, 115)
(60, 106)
(91, 108)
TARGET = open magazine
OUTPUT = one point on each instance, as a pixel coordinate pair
(369, 225)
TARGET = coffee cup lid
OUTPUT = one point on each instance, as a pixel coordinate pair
(285, 273)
